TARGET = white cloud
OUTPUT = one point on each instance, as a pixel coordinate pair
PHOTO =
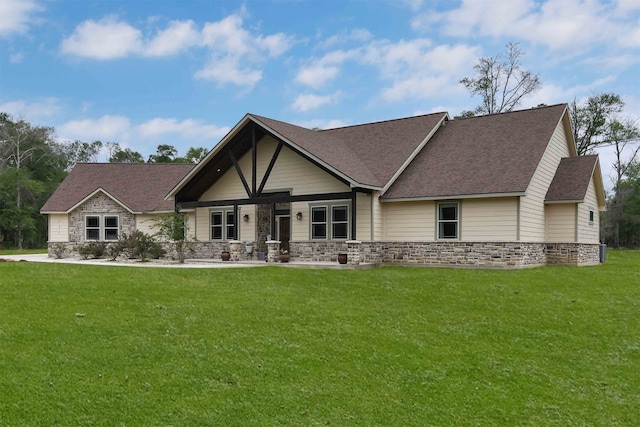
(355, 35)
(322, 124)
(235, 54)
(38, 110)
(308, 101)
(106, 128)
(229, 70)
(16, 58)
(563, 25)
(178, 36)
(16, 16)
(104, 39)
(320, 71)
(187, 128)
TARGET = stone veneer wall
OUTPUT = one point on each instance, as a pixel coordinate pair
(462, 254)
(573, 253)
(98, 204)
(451, 254)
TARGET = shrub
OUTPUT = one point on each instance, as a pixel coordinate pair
(93, 249)
(157, 251)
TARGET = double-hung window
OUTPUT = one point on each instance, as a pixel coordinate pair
(448, 220)
(92, 227)
(101, 227)
(223, 225)
(330, 222)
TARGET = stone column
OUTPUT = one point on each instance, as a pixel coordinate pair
(353, 252)
(235, 249)
(273, 250)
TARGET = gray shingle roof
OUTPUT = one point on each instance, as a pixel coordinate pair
(491, 154)
(139, 186)
(369, 154)
(572, 179)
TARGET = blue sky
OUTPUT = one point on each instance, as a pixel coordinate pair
(144, 73)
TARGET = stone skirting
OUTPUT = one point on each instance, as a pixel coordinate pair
(443, 254)
(573, 254)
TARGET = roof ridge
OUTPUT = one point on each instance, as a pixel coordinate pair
(512, 111)
(386, 121)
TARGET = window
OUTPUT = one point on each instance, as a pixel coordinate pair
(101, 227)
(319, 222)
(339, 222)
(223, 225)
(110, 228)
(448, 220)
(591, 215)
(92, 227)
(330, 222)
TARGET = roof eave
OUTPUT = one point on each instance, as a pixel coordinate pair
(215, 150)
(455, 197)
(96, 191)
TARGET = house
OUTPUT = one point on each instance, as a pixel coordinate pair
(504, 190)
(101, 201)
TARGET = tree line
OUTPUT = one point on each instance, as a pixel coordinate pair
(33, 163)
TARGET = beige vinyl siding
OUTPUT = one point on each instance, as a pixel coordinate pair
(290, 172)
(532, 208)
(300, 228)
(409, 221)
(561, 222)
(377, 217)
(58, 227)
(494, 219)
(247, 232)
(202, 224)
(363, 216)
(145, 223)
(589, 233)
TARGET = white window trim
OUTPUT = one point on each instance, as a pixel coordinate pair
(456, 221)
(101, 227)
(329, 221)
(592, 215)
(225, 225)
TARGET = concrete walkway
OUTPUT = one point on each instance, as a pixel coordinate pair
(189, 263)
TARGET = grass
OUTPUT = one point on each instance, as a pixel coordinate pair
(93, 345)
(15, 251)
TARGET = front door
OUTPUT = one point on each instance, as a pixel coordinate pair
(283, 231)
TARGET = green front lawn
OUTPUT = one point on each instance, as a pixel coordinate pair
(93, 345)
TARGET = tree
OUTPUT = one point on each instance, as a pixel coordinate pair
(118, 155)
(20, 145)
(164, 154)
(173, 227)
(84, 152)
(592, 120)
(501, 81)
(621, 135)
(195, 154)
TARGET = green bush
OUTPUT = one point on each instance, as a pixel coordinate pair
(95, 250)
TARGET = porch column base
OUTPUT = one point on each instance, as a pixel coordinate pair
(353, 252)
(235, 249)
(273, 250)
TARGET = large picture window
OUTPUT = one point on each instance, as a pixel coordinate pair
(101, 227)
(223, 225)
(448, 220)
(330, 222)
